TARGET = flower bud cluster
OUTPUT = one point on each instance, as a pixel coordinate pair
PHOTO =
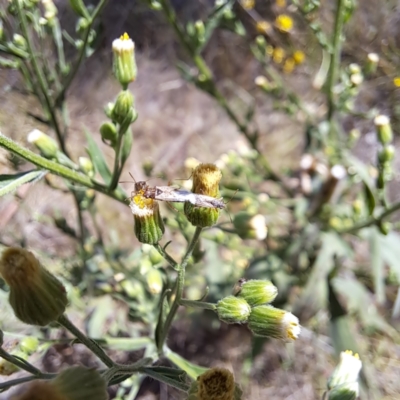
(387, 152)
(250, 304)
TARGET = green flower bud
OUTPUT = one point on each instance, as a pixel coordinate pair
(47, 146)
(154, 281)
(233, 310)
(19, 41)
(75, 383)
(371, 64)
(206, 178)
(382, 124)
(257, 292)
(149, 226)
(154, 256)
(108, 132)
(86, 166)
(272, 322)
(386, 154)
(29, 344)
(36, 296)
(50, 10)
(123, 107)
(124, 65)
(79, 7)
(250, 226)
(344, 379)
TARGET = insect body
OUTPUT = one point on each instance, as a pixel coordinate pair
(173, 195)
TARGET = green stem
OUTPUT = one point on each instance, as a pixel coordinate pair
(60, 97)
(15, 382)
(198, 304)
(58, 169)
(89, 343)
(39, 74)
(117, 170)
(335, 58)
(166, 256)
(373, 220)
(179, 288)
(25, 365)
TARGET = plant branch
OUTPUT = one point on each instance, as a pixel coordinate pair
(60, 97)
(58, 169)
(89, 343)
(372, 221)
(25, 365)
(179, 287)
(39, 74)
(335, 58)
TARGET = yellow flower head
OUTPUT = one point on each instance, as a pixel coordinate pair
(298, 57)
(284, 22)
(281, 3)
(396, 81)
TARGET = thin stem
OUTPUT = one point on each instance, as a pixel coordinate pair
(14, 382)
(373, 220)
(41, 78)
(58, 169)
(335, 58)
(25, 365)
(117, 171)
(60, 97)
(179, 288)
(166, 256)
(198, 304)
(213, 91)
(89, 343)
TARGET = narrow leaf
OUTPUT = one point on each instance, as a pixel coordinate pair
(171, 376)
(97, 158)
(191, 369)
(9, 183)
(377, 264)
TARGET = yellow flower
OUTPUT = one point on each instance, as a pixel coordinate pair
(396, 81)
(284, 23)
(281, 3)
(278, 55)
(298, 57)
(248, 4)
(262, 26)
(289, 65)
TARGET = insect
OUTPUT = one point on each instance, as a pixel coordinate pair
(174, 195)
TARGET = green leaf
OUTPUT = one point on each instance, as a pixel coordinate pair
(171, 376)
(191, 369)
(390, 249)
(126, 344)
(342, 334)
(362, 171)
(97, 158)
(360, 301)
(9, 183)
(377, 263)
(162, 316)
(315, 293)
